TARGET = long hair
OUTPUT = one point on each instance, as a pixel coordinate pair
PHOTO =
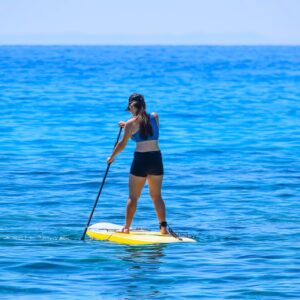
(138, 102)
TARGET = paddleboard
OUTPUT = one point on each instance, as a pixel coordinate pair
(109, 232)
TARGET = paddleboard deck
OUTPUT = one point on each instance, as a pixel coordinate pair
(109, 232)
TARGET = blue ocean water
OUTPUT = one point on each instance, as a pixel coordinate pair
(230, 139)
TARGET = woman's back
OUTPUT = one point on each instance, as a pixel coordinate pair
(150, 142)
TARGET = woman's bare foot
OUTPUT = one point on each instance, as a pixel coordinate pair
(123, 230)
(163, 228)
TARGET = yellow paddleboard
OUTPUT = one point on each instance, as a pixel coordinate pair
(108, 232)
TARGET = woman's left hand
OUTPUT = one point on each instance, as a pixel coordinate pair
(110, 159)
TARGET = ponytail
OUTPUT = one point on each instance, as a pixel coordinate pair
(138, 102)
(145, 126)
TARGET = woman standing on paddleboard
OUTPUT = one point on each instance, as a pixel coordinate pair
(147, 164)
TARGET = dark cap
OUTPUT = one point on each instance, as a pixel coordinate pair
(135, 97)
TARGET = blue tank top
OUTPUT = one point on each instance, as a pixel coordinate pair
(136, 137)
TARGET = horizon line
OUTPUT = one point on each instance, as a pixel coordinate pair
(140, 45)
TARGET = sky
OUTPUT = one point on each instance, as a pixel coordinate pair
(217, 22)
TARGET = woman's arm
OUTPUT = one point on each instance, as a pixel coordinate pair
(155, 115)
(122, 144)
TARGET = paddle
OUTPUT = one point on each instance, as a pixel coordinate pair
(99, 192)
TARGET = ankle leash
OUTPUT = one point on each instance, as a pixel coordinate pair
(174, 234)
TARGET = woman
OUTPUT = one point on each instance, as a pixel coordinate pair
(147, 163)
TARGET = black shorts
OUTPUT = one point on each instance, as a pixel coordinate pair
(147, 163)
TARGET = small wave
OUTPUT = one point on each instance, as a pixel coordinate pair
(40, 238)
(42, 265)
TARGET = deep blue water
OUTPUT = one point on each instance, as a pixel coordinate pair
(230, 138)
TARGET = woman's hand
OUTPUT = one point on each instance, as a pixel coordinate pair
(110, 159)
(122, 124)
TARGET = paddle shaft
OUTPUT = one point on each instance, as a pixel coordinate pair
(99, 192)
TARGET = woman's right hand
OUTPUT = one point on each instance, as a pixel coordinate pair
(110, 159)
(122, 124)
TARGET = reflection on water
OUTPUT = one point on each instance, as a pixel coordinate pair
(148, 254)
(143, 266)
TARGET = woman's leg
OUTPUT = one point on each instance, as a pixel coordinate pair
(136, 185)
(155, 182)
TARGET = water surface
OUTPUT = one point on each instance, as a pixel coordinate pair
(230, 139)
